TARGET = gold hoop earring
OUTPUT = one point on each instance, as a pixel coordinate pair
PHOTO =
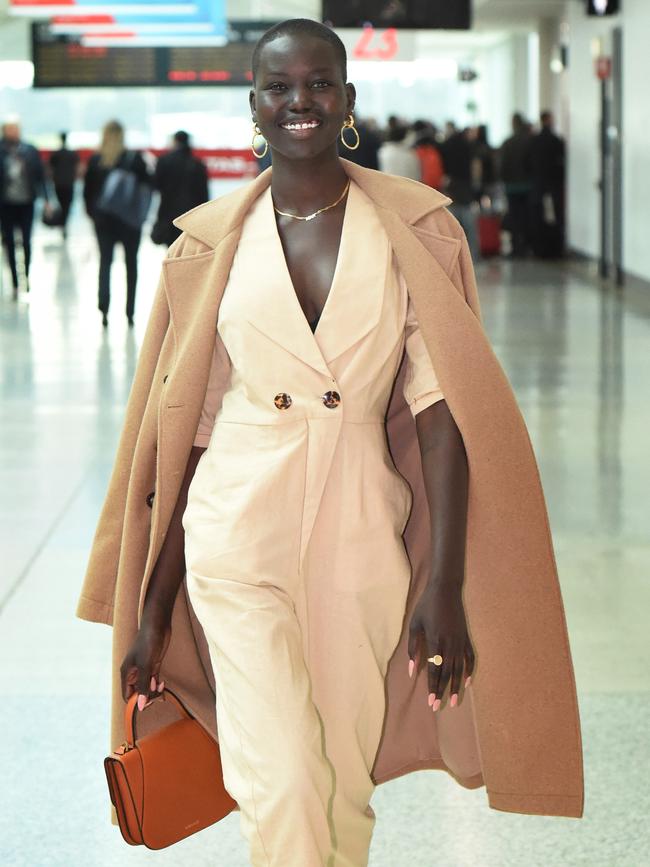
(349, 124)
(257, 133)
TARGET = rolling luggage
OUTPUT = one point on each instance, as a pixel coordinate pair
(489, 234)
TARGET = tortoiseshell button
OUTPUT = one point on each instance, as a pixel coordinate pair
(282, 400)
(331, 399)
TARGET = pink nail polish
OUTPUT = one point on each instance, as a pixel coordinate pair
(436, 705)
(454, 700)
(411, 667)
(432, 698)
(468, 681)
(152, 684)
(141, 701)
(161, 686)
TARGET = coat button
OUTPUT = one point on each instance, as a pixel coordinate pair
(149, 499)
(282, 400)
(331, 399)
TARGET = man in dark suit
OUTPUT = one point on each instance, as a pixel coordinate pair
(516, 174)
(22, 181)
(64, 165)
(182, 181)
(547, 198)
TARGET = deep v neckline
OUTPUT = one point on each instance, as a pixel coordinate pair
(325, 312)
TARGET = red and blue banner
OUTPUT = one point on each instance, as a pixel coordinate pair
(118, 23)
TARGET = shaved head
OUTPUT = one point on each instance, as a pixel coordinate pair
(302, 27)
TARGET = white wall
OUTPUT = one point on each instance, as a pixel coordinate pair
(584, 169)
(504, 86)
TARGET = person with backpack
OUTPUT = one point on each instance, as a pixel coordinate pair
(181, 178)
(22, 181)
(117, 193)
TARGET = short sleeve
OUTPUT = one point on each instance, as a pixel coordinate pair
(421, 387)
(217, 384)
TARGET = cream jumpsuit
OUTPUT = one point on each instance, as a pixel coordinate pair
(296, 566)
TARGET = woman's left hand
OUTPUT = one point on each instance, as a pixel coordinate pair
(439, 627)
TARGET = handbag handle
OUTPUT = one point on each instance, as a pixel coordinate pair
(131, 708)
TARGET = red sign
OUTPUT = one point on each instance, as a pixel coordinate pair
(224, 163)
(376, 44)
(604, 68)
(220, 162)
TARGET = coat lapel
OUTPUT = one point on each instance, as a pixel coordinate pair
(439, 306)
(356, 296)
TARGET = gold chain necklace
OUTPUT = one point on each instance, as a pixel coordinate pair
(316, 213)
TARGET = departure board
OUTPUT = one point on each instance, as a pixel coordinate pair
(63, 61)
(413, 14)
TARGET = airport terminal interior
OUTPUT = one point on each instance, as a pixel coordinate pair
(562, 260)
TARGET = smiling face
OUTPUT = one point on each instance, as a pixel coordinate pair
(300, 99)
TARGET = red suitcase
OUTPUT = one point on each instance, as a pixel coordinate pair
(489, 234)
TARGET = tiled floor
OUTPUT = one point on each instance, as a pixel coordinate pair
(580, 363)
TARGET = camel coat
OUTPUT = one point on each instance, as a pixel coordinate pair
(517, 730)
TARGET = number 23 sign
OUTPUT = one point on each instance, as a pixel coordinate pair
(376, 44)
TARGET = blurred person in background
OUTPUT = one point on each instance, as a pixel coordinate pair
(457, 153)
(484, 170)
(450, 129)
(547, 162)
(515, 159)
(110, 228)
(181, 178)
(22, 181)
(367, 154)
(393, 123)
(485, 193)
(64, 165)
(423, 136)
(396, 157)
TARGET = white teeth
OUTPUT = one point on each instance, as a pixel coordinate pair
(310, 125)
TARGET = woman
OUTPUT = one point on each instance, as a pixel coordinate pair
(321, 583)
(110, 228)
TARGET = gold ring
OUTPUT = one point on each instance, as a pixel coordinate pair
(436, 660)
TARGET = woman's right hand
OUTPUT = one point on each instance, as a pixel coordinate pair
(140, 669)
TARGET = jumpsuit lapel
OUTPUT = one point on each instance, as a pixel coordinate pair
(354, 303)
(269, 300)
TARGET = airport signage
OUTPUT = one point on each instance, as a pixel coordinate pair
(220, 162)
(603, 7)
(371, 43)
(65, 60)
(94, 24)
(47, 8)
(409, 14)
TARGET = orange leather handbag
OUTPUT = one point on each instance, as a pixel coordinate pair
(168, 784)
